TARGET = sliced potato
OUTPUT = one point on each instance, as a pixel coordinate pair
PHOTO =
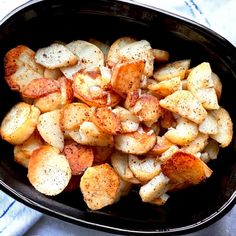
(74, 114)
(172, 70)
(184, 168)
(137, 143)
(217, 85)
(124, 189)
(49, 171)
(90, 134)
(224, 126)
(167, 119)
(186, 105)
(120, 163)
(162, 144)
(160, 55)
(200, 84)
(55, 56)
(184, 133)
(155, 188)
(101, 154)
(19, 123)
(102, 46)
(209, 125)
(21, 157)
(52, 73)
(69, 71)
(168, 153)
(50, 129)
(99, 186)
(144, 169)
(160, 200)
(212, 149)
(89, 55)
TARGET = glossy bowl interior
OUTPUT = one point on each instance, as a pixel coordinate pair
(38, 24)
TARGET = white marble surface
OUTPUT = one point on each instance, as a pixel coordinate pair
(221, 18)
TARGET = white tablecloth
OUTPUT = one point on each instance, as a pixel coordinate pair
(17, 219)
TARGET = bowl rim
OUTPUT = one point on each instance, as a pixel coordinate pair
(224, 209)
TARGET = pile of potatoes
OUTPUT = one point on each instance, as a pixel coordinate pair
(104, 118)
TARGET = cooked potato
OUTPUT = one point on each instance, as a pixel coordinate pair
(74, 114)
(155, 188)
(19, 123)
(172, 70)
(166, 87)
(209, 125)
(80, 157)
(184, 168)
(144, 169)
(212, 149)
(102, 46)
(73, 184)
(89, 55)
(224, 126)
(137, 143)
(200, 84)
(52, 73)
(67, 93)
(168, 153)
(55, 56)
(120, 163)
(184, 133)
(160, 200)
(99, 186)
(21, 157)
(167, 119)
(69, 71)
(49, 171)
(124, 189)
(162, 144)
(186, 105)
(160, 55)
(217, 85)
(90, 134)
(50, 129)
(106, 120)
(101, 154)
(21, 68)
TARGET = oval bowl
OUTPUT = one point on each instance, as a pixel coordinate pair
(38, 23)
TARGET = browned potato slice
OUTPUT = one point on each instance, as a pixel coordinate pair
(40, 87)
(120, 163)
(55, 56)
(186, 169)
(102, 46)
(80, 157)
(166, 87)
(168, 153)
(101, 154)
(106, 120)
(52, 73)
(172, 70)
(144, 169)
(225, 127)
(160, 55)
(137, 143)
(167, 119)
(113, 55)
(126, 77)
(19, 123)
(217, 84)
(50, 129)
(99, 186)
(160, 200)
(20, 67)
(69, 71)
(162, 144)
(74, 114)
(184, 133)
(147, 109)
(49, 171)
(184, 104)
(21, 157)
(209, 125)
(124, 189)
(84, 89)
(155, 188)
(89, 55)
(90, 134)
(200, 84)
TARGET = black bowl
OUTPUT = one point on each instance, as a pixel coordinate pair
(37, 24)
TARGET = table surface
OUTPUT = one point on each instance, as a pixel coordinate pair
(215, 11)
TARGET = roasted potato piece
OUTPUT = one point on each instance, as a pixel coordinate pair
(162, 144)
(144, 169)
(101, 154)
(89, 134)
(124, 189)
(50, 129)
(137, 143)
(80, 157)
(99, 186)
(209, 125)
(184, 133)
(19, 123)
(69, 71)
(160, 55)
(160, 200)
(200, 84)
(186, 105)
(106, 120)
(212, 149)
(217, 85)
(120, 163)
(21, 157)
(172, 70)
(224, 126)
(126, 77)
(52, 73)
(155, 188)
(102, 46)
(167, 119)
(74, 114)
(147, 109)
(89, 55)
(186, 169)
(129, 122)
(49, 171)
(55, 56)
(21, 68)
(168, 153)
